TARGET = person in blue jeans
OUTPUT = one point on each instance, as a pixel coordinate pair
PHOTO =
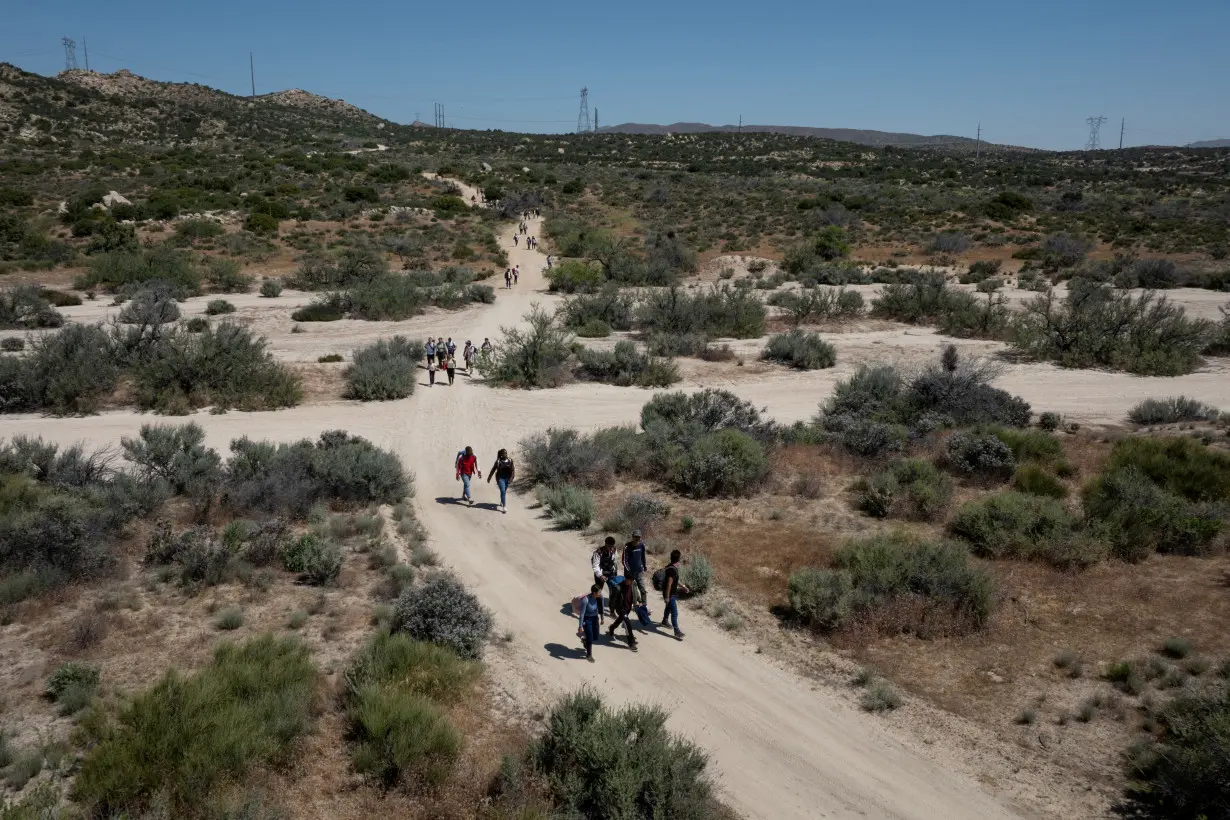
(591, 619)
(503, 471)
(671, 588)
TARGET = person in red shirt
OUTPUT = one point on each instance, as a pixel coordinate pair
(467, 466)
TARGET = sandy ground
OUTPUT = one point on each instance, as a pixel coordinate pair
(781, 746)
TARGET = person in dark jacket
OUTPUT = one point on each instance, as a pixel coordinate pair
(670, 589)
(603, 564)
(591, 619)
(635, 564)
(622, 601)
(503, 471)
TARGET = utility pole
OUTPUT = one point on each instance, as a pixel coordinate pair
(583, 114)
(252, 71)
(978, 144)
(1095, 138)
(439, 115)
(70, 53)
(416, 117)
(740, 123)
(1122, 128)
(595, 119)
(86, 48)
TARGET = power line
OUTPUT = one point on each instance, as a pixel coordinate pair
(502, 119)
(1095, 139)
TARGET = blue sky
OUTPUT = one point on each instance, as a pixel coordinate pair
(1029, 72)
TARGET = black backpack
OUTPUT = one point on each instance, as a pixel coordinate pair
(659, 578)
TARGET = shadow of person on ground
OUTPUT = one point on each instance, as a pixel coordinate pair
(480, 505)
(564, 653)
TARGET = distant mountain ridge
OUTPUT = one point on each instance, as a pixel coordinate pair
(1210, 144)
(876, 139)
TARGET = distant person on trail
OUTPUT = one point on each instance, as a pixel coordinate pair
(487, 348)
(622, 602)
(467, 466)
(671, 588)
(603, 564)
(516, 274)
(503, 471)
(508, 277)
(548, 261)
(591, 619)
(431, 372)
(468, 355)
(635, 564)
(430, 349)
(515, 238)
(450, 366)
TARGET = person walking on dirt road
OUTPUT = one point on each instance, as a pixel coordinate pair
(603, 564)
(487, 347)
(635, 564)
(431, 372)
(468, 354)
(622, 602)
(516, 274)
(508, 279)
(503, 471)
(671, 588)
(450, 367)
(430, 349)
(591, 619)
(467, 466)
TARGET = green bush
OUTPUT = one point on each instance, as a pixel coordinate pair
(915, 586)
(1015, 525)
(880, 696)
(720, 311)
(564, 456)
(1172, 410)
(639, 512)
(69, 372)
(113, 271)
(1029, 445)
(533, 357)
(443, 611)
(329, 308)
(389, 298)
(1183, 771)
(1035, 479)
(1049, 421)
(262, 224)
(73, 685)
(596, 762)
(187, 738)
(417, 667)
(218, 307)
(1179, 465)
(384, 371)
(317, 559)
(176, 456)
(981, 455)
(27, 307)
(574, 276)
(801, 350)
(271, 288)
(697, 574)
(12, 344)
(225, 276)
(570, 507)
(1138, 517)
(910, 488)
(353, 266)
(402, 736)
(610, 306)
(152, 305)
(625, 367)
(723, 463)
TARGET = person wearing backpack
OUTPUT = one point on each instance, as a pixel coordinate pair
(635, 563)
(603, 564)
(503, 471)
(591, 619)
(671, 588)
(622, 601)
(430, 350)
(467, 466)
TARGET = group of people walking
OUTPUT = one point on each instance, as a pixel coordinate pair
(622, 577)
(511, 275)
(531, 243)
(442, 355)
(503, 471)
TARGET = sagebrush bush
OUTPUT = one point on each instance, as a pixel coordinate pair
(113, 271)
(597, 762)
(1014, 525)
(1028, 445)
(570, 507)
(384, 371)
(218, 307)
(186, 738)
(564, 456)
(800, 350)
(69, 372)
(697, 574)
(443, 611)
(981, 455)
(640, 512)
(610, 307)
(426, 669)
(71, 679)
(625, 366)
(1172, 410)
(1138, 517)
(726, 462)
(1035, 479)
(910, 488)
(720, 311)
(913, 586)
(27, 307)
(271, 288)
(402, 736)
(317, 559)
(1179, 465)
(533, 357)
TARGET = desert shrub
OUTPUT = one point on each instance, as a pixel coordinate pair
(640, 512)
(1013, 525)
(1028, 445)
(726, 462)
(1034, 479)
(1097, 326)
(880, 696)
(817, 303)
(224, 366)
(910, 488)
(594, 329)
(1179, 465)
(980, 454)
(401, 736)
(225, 276)
(443, 611)
(290, 478)
(271, 288)
(1049, 421)
(73, 681)
(949, 242)
(625, 366)
(262, 224)
(609, 306)
(331, 358)
(564, 456)
(826, 246)
(186, 738)
(317, 559)
(331, 307)
(1182, 770)
(718, 311)
(383, 371)
(68, 372)
(981, 271)
(534, 357)
(426, 669)
(935, 588)
(800, 350)
(688, 344)
(574, 276)
(707, 410)
(114, 271)
(353, 266)
(218, 307)
(1172, 410)
(697, 574)
(1138, 517)
(176, 456)
(597, 762)
(12, 344)
(389, 298)
(151, 306)
(27, 307)
(1061, 251)
(570, 507)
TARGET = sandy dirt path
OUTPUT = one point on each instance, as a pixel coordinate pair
(781, 748)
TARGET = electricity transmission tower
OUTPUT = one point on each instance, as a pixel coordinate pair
(1122, 128)
(595, 119)
(70, 53)
(439, 115)
(583, 115)
(1095, 139)
(86, 48)
(978, 144)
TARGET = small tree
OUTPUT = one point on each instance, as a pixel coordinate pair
(533, 357)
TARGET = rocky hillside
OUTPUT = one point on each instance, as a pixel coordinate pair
(876, 139)
(91, 108)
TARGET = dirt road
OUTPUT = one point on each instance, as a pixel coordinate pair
(780, 748)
